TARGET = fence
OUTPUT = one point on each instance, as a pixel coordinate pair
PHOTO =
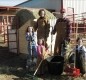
(5, 24)
(78, 24)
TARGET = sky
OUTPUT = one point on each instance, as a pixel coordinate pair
(10, 2)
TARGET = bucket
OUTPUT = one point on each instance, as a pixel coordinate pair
(55, 65)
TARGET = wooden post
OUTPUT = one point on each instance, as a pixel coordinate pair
(61, 4)
(74, 23)
(76, 29)
(75, 41)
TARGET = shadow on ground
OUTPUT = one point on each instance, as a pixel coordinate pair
(11, 63)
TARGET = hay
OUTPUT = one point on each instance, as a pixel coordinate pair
(25, 14)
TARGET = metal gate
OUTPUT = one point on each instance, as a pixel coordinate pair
(5, 22)
(78, 24)
(8, 36)
(12, 40)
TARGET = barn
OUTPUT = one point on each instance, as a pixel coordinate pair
(56, 5)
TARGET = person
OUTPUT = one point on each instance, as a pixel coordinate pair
(62, 27)
(40, 48)
(32, 46)
(42, 26)
(79, 56)
(42, 54)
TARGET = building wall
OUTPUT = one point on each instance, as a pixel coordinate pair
(78, 5)
(48, 4)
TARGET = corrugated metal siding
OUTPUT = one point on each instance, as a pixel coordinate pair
(47, 4)
(78, 5)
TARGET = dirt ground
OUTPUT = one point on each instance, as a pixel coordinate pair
(12, 67)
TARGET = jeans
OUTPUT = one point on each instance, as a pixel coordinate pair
(32, 52)
(32, 56)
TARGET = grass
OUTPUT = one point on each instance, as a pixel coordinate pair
(12, 67)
